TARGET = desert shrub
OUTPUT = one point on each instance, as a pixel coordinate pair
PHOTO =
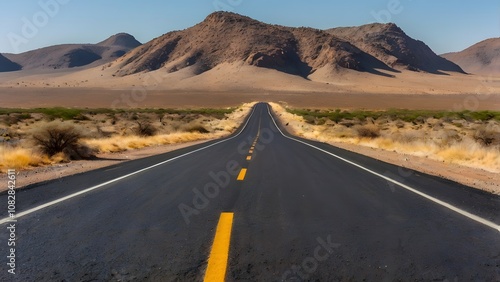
(408, 137)
(310, 119)
(321, 121)
(487, 136)
(11, 119)
(197, 128)
(446, 138)
(59, 137)
(145, 129)
(367, 131)
(81, 117)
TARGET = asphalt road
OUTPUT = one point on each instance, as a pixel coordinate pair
(291, 210)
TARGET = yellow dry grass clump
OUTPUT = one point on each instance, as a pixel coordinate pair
(21, 158)
(441, 145)
(124, 143)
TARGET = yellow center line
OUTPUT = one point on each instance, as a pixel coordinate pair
(242, 174)
(249, 158)
(251, 152)
(217, 262)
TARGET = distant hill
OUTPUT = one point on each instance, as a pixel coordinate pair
(225, 37)
(74, 55)
(481, 58)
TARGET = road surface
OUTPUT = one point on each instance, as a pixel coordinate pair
(258, 206)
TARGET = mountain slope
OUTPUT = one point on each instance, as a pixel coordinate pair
(481, 58)
(391, 45)
(231, 38)
(75, 55)
(225, 37)
(7, 65)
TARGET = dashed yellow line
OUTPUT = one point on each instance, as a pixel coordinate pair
(249, 158)
(250, 152)
(217, 262)
(242, 174)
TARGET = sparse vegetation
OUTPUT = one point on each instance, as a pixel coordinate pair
(197, 128)
(145, 129)
(465, 137)
(394, 114)
(34, 137)
(368, 131)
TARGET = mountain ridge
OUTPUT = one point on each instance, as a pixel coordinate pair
(225, 37)
(390, 44)
(66, 56)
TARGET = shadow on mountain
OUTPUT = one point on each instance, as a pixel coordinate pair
(81, 57)
(7, 65)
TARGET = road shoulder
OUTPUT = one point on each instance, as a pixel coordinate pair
(46, 173)
(473, 177)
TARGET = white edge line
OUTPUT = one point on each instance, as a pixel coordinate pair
(51, 203)
(435, 200)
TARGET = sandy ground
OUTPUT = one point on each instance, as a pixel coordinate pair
(40, 174)
(232, 76)
(106, 98)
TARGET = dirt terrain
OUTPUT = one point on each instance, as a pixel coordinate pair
(105, 98)
(447, 147)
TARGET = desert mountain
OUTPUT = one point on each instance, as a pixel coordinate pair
(8, 65)
(74, 55)
(389, 43)
(225, 37)
(481, 58)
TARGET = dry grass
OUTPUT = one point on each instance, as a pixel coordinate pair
(21, 158)
(109, 132)
(124, 143)
(472, 143)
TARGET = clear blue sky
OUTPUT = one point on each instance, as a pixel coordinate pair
(445, 25)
